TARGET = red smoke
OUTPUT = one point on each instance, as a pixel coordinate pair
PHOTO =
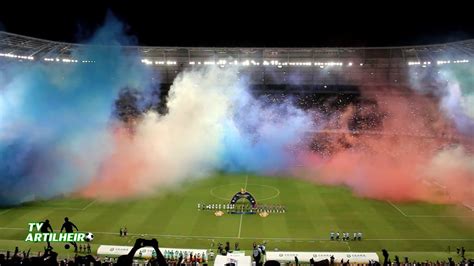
(396, 161)
(117, 177)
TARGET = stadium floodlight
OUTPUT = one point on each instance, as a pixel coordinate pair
(144, 61)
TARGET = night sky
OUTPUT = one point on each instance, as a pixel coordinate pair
(246, 24)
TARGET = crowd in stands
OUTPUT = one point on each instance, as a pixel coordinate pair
(258, 254)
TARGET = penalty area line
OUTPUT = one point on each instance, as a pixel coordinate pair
(88, 205)
(398, 209)
(425, 216)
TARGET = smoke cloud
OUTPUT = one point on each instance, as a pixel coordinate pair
(60, 134)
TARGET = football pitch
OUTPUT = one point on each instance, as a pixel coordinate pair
(417, 230)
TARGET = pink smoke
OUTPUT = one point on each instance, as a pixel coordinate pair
(399, 162)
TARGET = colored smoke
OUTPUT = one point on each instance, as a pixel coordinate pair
(55, 118)
(213, 123)
(60, 134)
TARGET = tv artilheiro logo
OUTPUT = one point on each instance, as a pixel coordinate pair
(35, 235)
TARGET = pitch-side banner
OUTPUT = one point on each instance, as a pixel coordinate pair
(355, 257)
(240, 260)
(145, 253)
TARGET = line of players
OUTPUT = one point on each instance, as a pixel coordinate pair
(217, 207)
(346, 236)
(232, 207)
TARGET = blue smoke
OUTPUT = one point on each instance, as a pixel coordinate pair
(453, 85)
(55, 118)
(262, 137)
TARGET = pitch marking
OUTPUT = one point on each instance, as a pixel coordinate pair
(348, 246)
(53, 207)
(242, 215)
(426, 216)
(398, 209)
(267, 238)
(88, 205)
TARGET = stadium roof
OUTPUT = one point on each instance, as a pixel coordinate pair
(370, 66)
(34, 47)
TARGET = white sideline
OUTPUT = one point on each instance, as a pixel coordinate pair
(266, 238)
(53, 207)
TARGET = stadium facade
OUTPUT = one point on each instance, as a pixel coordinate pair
(314, 68)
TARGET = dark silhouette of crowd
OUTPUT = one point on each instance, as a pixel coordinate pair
(49, 257)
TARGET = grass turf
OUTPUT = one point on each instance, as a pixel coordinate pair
(417, 230)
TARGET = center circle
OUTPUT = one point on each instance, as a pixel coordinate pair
(260, 192)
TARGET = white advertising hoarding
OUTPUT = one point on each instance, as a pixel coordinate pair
(355, 257)
(146, 252)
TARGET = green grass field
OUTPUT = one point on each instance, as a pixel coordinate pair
(416, 230)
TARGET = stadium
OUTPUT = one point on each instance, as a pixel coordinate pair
(225, 155)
